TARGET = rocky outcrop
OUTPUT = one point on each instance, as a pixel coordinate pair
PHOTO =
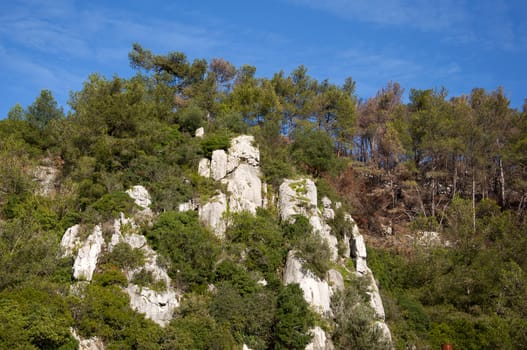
(156, 305)
(299, 197)
(218, 165)
(140, 196)
(319, 341)
(93, 343)
(317, 292)
(239, 170)
(211, 214)
(86, 250)
(204, 167)
(46, 177)
(359, 255)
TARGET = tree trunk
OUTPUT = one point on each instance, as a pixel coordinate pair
(473, 202)
(502, 183)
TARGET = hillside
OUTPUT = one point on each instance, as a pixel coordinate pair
(196, 206)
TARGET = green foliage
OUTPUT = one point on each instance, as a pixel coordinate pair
(191, 250)
(314, 150)
(354, 322)
(259, 239)
(109, 206)
(249, 317)
(293, 319)
(212, 142)
(191, 118)
(104, 311)
(310, 247)
(125, 257)
(33, 316)
(43, 111)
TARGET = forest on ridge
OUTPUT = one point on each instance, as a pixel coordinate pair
(451, 165)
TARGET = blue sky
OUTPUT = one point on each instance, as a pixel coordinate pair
(458, 44)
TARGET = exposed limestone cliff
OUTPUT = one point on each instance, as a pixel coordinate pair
(299, 197)
(239, 170)
(156, 305)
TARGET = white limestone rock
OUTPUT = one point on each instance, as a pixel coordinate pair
(211, 214)
(324, 231)
(157, 306)
(385, 331)
(86, 260)
(70, 241)
(336, 281)
(327, 212)
(297, 197)
(141, 196)
(204, 167)
(200, 132)
(218, 164)
(320, 341)
(316, 291)
(375, 297)
(92, 343)
(243, 150)
(245, 189)
(187, 206)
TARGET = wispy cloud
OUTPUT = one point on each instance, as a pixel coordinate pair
(487, 23)
(419, 14)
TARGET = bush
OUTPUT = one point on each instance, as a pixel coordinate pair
(191, 249)
(109, 206)
(212, 142)
(293, 319)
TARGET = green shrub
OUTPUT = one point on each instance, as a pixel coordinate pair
(125, 257)
(190, 248)
(109, 206)
(212, 142)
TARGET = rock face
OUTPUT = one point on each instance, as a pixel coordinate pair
(93, 343)
(239, 170)
(140, 196)
(156, 305)
(87, 251)
(46, 177)
(320, 341)
(212, 214)
(299, 197)
(317, 292)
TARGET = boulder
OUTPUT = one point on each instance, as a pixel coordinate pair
(242, 149)
(327, 212)
(140, 196)
(200, 132)
(157, 306)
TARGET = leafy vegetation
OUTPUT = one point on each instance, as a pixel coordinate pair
(456, 165)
